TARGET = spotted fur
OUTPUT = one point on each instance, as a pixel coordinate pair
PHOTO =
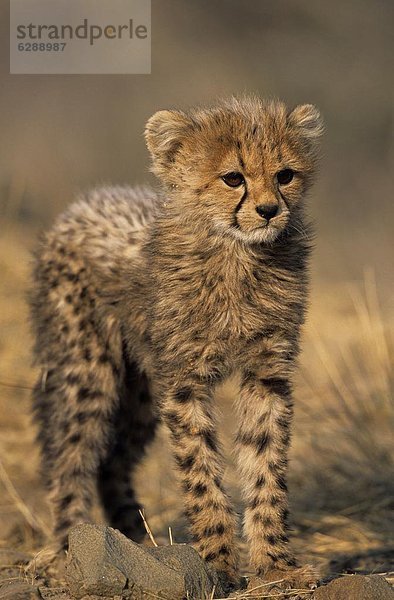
(143, 302)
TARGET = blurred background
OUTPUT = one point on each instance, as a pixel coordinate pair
(63, 133)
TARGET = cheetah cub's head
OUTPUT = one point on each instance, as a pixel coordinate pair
(242, 167)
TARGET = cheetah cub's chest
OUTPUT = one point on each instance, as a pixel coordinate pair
(223, 301)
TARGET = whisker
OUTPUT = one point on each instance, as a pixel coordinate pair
(301, 231)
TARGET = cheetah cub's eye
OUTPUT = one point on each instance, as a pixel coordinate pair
(233, 179)
(285, 176)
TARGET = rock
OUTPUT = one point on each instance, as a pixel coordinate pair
(356, 587)
(200, 578)
(13, 584)
(102, 562)
(19, 590)
(54, 593)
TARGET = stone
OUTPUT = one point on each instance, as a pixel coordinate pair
(356, 587)
(104, 563)
(19, 590)
(54, 593)
(200, 579)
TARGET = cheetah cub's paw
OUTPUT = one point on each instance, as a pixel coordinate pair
(298, 578)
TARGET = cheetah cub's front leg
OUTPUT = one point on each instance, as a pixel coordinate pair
(265, 412)
(188, 412)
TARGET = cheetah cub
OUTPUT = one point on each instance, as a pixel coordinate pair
(143, 302)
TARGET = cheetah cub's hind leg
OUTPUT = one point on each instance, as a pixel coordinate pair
(134, 428)
(79, 349)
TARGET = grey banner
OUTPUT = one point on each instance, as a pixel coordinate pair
(74, 37)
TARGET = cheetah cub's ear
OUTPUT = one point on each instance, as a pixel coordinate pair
(307, 119)
(164, 132)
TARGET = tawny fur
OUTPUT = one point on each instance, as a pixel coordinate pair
(143, 302)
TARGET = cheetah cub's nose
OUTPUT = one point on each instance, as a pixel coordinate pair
(267, 211)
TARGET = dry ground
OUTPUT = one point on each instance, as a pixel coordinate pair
(342, 468)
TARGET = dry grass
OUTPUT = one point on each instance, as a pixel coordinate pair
(344, 491)
(342, 468)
